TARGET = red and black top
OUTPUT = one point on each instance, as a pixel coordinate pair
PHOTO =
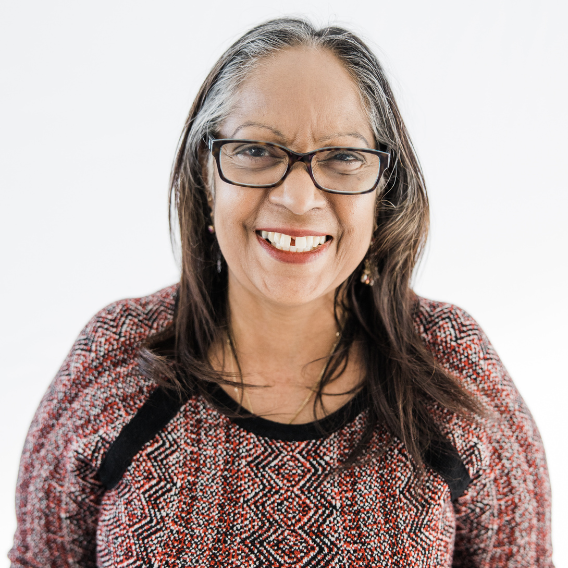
(209, 490)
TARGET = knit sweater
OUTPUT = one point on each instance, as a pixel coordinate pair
(209, 490)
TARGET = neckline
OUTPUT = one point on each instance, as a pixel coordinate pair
(291, 432)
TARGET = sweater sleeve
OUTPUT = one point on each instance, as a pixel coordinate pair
(58, 495)
(503, 518)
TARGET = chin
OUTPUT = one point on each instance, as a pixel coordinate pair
(293, 293)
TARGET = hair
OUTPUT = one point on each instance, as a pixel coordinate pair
(402, 377)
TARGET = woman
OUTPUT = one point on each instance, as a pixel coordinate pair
(291, 402)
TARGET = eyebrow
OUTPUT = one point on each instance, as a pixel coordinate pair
(258, 125)
(341, 134)
(281, 135)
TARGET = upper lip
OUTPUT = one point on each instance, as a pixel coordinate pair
(293, 232)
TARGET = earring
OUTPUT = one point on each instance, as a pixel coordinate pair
(366, 277)
(211, 228)
(219, 264)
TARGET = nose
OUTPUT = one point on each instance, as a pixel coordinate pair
(297, 192)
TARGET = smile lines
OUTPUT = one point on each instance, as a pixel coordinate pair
(293, 244)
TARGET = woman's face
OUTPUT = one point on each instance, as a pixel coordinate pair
(304, 99)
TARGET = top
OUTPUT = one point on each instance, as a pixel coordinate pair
(209, 490)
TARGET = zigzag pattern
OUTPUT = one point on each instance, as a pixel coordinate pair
(207, 492)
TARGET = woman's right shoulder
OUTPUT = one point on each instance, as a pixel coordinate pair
(99, 386)
(97, 391)
(124, 325)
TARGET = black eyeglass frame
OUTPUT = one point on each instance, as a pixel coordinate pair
(215, 145)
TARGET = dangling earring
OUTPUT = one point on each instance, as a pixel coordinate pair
(211, 228)
(219, 263)
(366, 277)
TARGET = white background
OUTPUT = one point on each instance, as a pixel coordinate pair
(93, 98)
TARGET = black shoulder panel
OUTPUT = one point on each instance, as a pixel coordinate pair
(443, 458)
(152, 417)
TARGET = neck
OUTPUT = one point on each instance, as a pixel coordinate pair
(275, 342)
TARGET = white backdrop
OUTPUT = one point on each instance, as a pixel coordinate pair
(93, 98)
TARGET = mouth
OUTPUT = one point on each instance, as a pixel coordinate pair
(295, 244)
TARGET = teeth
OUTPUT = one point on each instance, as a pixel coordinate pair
(301, 244)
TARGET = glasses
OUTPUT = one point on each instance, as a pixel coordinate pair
(337, 169)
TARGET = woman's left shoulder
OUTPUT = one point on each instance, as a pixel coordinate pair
(459, 343)
(506, 508)
(444, 323)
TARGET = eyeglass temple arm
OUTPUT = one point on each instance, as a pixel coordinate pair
(384, 148)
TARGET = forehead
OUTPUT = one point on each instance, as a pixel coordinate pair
(306, 94)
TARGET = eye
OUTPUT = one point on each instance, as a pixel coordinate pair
(341, 161)
(345, 157)
(253, 151)
(251, 156)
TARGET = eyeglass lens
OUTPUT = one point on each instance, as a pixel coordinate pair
(337, 169)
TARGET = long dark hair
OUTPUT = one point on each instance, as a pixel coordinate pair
(402, 376)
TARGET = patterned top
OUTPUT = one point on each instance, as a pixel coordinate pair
(211, 491)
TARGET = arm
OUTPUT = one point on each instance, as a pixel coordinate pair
(503, 518)
(57, 495)
(97, 390)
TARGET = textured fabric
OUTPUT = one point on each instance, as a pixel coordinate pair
(207, 491)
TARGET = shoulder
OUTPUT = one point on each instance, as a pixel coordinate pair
(106, 350)
(95, 393)
(441, 323)
(99, 387)
(110, 341)
(459, 343)
(127, 323)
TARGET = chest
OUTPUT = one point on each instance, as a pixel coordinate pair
(212, 494)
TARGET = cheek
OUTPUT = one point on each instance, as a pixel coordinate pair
(234, 211)
(358, 219)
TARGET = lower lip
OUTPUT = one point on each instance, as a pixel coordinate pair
(293, 257)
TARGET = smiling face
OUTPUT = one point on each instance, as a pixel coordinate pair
(304, 99)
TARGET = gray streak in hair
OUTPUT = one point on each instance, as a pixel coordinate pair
(251, 50)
